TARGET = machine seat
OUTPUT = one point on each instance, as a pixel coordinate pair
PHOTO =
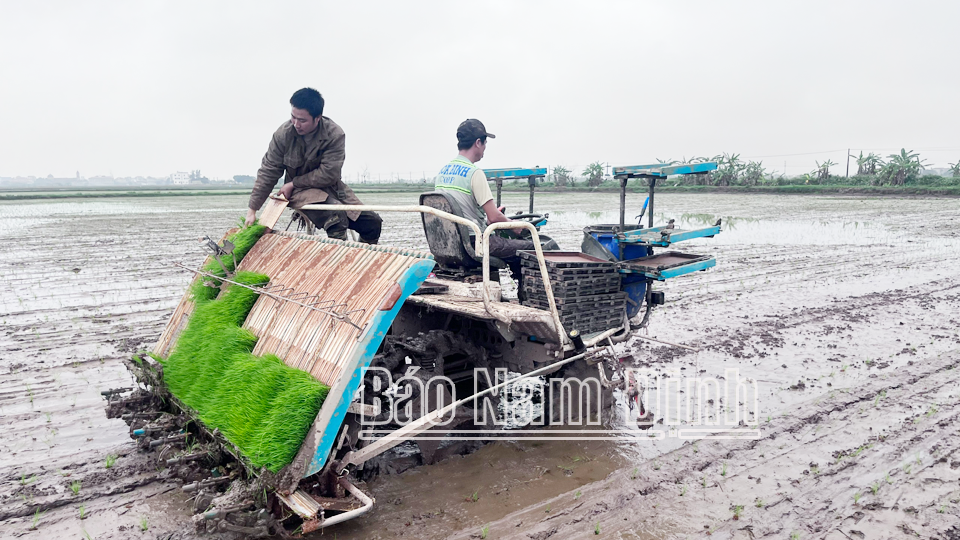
(450, 243)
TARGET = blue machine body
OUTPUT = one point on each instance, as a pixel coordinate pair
(514, 172)
(634, 243)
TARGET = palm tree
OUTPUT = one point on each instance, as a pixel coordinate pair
(594, 173)
(867, 164)
(902, 167)
(823, 170)
(729, 168)
(754, 173)
(872, 163)
(561, 175)
(955, 169)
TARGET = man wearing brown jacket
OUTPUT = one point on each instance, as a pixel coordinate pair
(308, 151)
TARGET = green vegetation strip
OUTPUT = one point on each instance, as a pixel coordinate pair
(261, 405)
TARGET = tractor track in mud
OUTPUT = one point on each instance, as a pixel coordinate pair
(815, 319)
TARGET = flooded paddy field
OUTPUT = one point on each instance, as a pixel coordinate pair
(843, 310)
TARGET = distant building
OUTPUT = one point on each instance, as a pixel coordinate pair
(180, 178)
(938, 171)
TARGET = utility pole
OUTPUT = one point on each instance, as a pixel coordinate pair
(848, 163)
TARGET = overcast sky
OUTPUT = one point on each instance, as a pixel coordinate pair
(150, 88)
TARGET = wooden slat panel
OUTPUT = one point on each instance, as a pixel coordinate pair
(338, 276)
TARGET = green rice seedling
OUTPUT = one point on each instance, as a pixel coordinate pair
(737, 510)
(683, 490)
(703, 481)
(889, 481)
(856, 497)
(723, 470)
(83, 512)
(261, 405)
(547, 511)
(577, 495)
(875, 487)
(243, 240)
(143, 524)
(484, 531)
(36, 518)
(75, 487)
(475, 497)
(110, 461)
(596, 529)
(633, 476)
(906, 468)
(758, 503)
(656, 465)
(794, 535)
(24, 481)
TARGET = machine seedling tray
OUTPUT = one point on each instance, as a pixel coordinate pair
(568, 285)
(564, 260)
(585, 301)
(666, 265)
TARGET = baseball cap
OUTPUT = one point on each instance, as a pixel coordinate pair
(471, 130)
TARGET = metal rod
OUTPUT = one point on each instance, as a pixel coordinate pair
(260, 290)
(533, 184)
(410, 209)
(355, 491)
(653, 184)
(433, 418)
(558, 327)
(499, 188)
(481, 248)
(623, 205)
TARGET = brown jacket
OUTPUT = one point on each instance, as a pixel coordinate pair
(312, 162)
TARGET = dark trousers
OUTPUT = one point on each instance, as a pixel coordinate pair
(367, 225)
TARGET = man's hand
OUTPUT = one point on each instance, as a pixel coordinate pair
(286, 190)
(251, 217)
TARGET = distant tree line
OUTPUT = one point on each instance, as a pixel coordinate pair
(895, 170)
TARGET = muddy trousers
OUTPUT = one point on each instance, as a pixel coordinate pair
(367, 224)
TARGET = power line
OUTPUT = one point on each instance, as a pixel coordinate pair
(932, 149)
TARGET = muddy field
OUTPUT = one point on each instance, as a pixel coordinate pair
(844, 310)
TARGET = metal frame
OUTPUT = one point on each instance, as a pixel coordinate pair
(499, 175)
(653, 173)
(482, 242)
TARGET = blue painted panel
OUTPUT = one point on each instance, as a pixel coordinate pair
(686, 269)
(671, 272)
(514, 173)
(363, 354)
(663, 170)
(689, 168)
(680, 236)
(636, 168)
(653, 236)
